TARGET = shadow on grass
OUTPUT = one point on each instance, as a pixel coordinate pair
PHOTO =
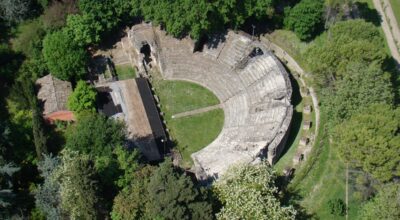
(297, 117)
(292, 198)
(370, 15)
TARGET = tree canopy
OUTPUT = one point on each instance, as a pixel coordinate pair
(14, 10)
(385, 205)
(249, 192)
(65, 59)
(305, 18)
(69, 187)
(370, 139)
(173, 196)
(363, 84)
(82, 98)
(95, 135)
(352, 41)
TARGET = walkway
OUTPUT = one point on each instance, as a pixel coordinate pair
(196, 111)
(390, 27)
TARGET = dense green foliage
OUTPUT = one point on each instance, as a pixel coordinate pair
(47, 195)
(14, 10)
(346, 42)
(361, 86)
(69, 187)
(249, 192)
(82, 98)
(78, 188)
(95, 135)
(173, 196)
(162, 193)
(385, 205)
(65, 59)
(84, 29)
(305, 18)
(370, 139)
(130, 203)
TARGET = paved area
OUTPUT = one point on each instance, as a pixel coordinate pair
(390, 28)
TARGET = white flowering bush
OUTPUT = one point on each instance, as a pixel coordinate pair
(249, 192)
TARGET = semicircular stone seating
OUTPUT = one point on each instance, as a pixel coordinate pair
(254, 91)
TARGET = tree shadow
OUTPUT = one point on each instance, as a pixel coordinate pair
(392, 66)
(290, 197)
(297, 117)
(369, 15)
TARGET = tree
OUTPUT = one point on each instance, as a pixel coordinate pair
(363, 84)
(172, 196)
(14, 10)
(337, 207)
(39, 135)
(385, 205)
(48, 194)
(102, 12)
(249, 192)
(353, 41)
(84, 29)
(95, 135)
(305, 18)
(337, 10)
(370, 139)
(29, 38)
(7, 170)
(128, 162)
(54, 16)
(130, 203)
(78, 188)
(82, 98)
(66, 59)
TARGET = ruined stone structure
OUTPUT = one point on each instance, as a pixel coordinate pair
(250, 82)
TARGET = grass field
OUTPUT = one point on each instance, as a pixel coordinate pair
(195, 132)
(181, 96)
(190, 133)
(396, 9)
(125, 72)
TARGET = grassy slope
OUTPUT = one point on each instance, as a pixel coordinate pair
(322, 177)
(396, 9)
(194, 132)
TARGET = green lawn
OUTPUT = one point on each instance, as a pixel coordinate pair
(181, 96)
(396, 9)
(125, 72)
(195, 132)
(190, 133)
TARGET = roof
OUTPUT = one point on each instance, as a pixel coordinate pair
(53, 93)
(151, 108)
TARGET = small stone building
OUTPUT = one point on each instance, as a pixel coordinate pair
(53, 94)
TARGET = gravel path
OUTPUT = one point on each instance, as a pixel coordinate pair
(388, 22)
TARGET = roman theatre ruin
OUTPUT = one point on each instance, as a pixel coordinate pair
(252, 85)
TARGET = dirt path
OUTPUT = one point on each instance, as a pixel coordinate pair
(197, 111)
(390, 27)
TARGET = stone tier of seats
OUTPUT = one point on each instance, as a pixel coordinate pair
(234, 50)
(255, 99)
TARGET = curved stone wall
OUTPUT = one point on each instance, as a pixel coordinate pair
(254, 90)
